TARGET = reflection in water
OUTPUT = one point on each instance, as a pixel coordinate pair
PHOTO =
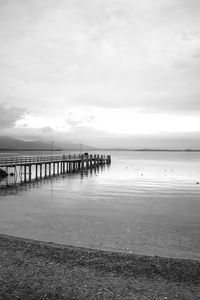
(12, 185)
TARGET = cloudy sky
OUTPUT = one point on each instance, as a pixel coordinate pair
(120, 73)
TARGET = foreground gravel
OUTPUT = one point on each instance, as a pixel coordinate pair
(38, 270)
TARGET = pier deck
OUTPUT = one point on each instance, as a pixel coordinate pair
(51, 165)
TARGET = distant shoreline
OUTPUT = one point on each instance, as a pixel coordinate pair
(104, 149)
(30, 149)
(152, 150)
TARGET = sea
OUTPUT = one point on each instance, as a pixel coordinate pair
(145, 202)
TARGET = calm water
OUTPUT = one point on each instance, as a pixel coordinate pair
(145, 202)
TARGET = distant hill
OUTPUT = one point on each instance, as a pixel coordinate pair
(12, 143)
(149, 150)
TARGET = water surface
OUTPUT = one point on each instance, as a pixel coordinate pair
(145, 202)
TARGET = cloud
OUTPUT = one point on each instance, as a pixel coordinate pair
(127, 54)
(9, 115)
(30, 134)
(79, 118)
(197, 53)
(179, 64)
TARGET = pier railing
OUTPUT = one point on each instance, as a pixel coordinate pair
(26, 160)
(21, 160)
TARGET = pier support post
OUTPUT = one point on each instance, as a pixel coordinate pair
(90, 160)
(36, 171)
(24, 173)
(82, 161)
(108, 159)
(49, 169)
(87, 162)
(40, 170)
(29, 172)
(45, 170)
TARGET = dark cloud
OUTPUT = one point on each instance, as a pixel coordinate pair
(30, 134)
(9, 115)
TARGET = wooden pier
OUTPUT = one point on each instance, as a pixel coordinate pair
(51, 165)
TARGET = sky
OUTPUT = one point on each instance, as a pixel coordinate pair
(108, 73)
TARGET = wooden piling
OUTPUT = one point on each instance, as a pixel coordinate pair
(36, 171)
(40, 170)
(29, 172)
(45, 170)
(49, 169)
(25, 173)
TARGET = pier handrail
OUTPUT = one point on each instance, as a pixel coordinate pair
(36, 159)
(25, 160)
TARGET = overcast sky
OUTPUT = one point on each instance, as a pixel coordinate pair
(120, 73)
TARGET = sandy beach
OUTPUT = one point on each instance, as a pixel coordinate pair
(38, 270)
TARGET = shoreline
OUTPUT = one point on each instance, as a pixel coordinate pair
(55, 245)
(81, 273)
